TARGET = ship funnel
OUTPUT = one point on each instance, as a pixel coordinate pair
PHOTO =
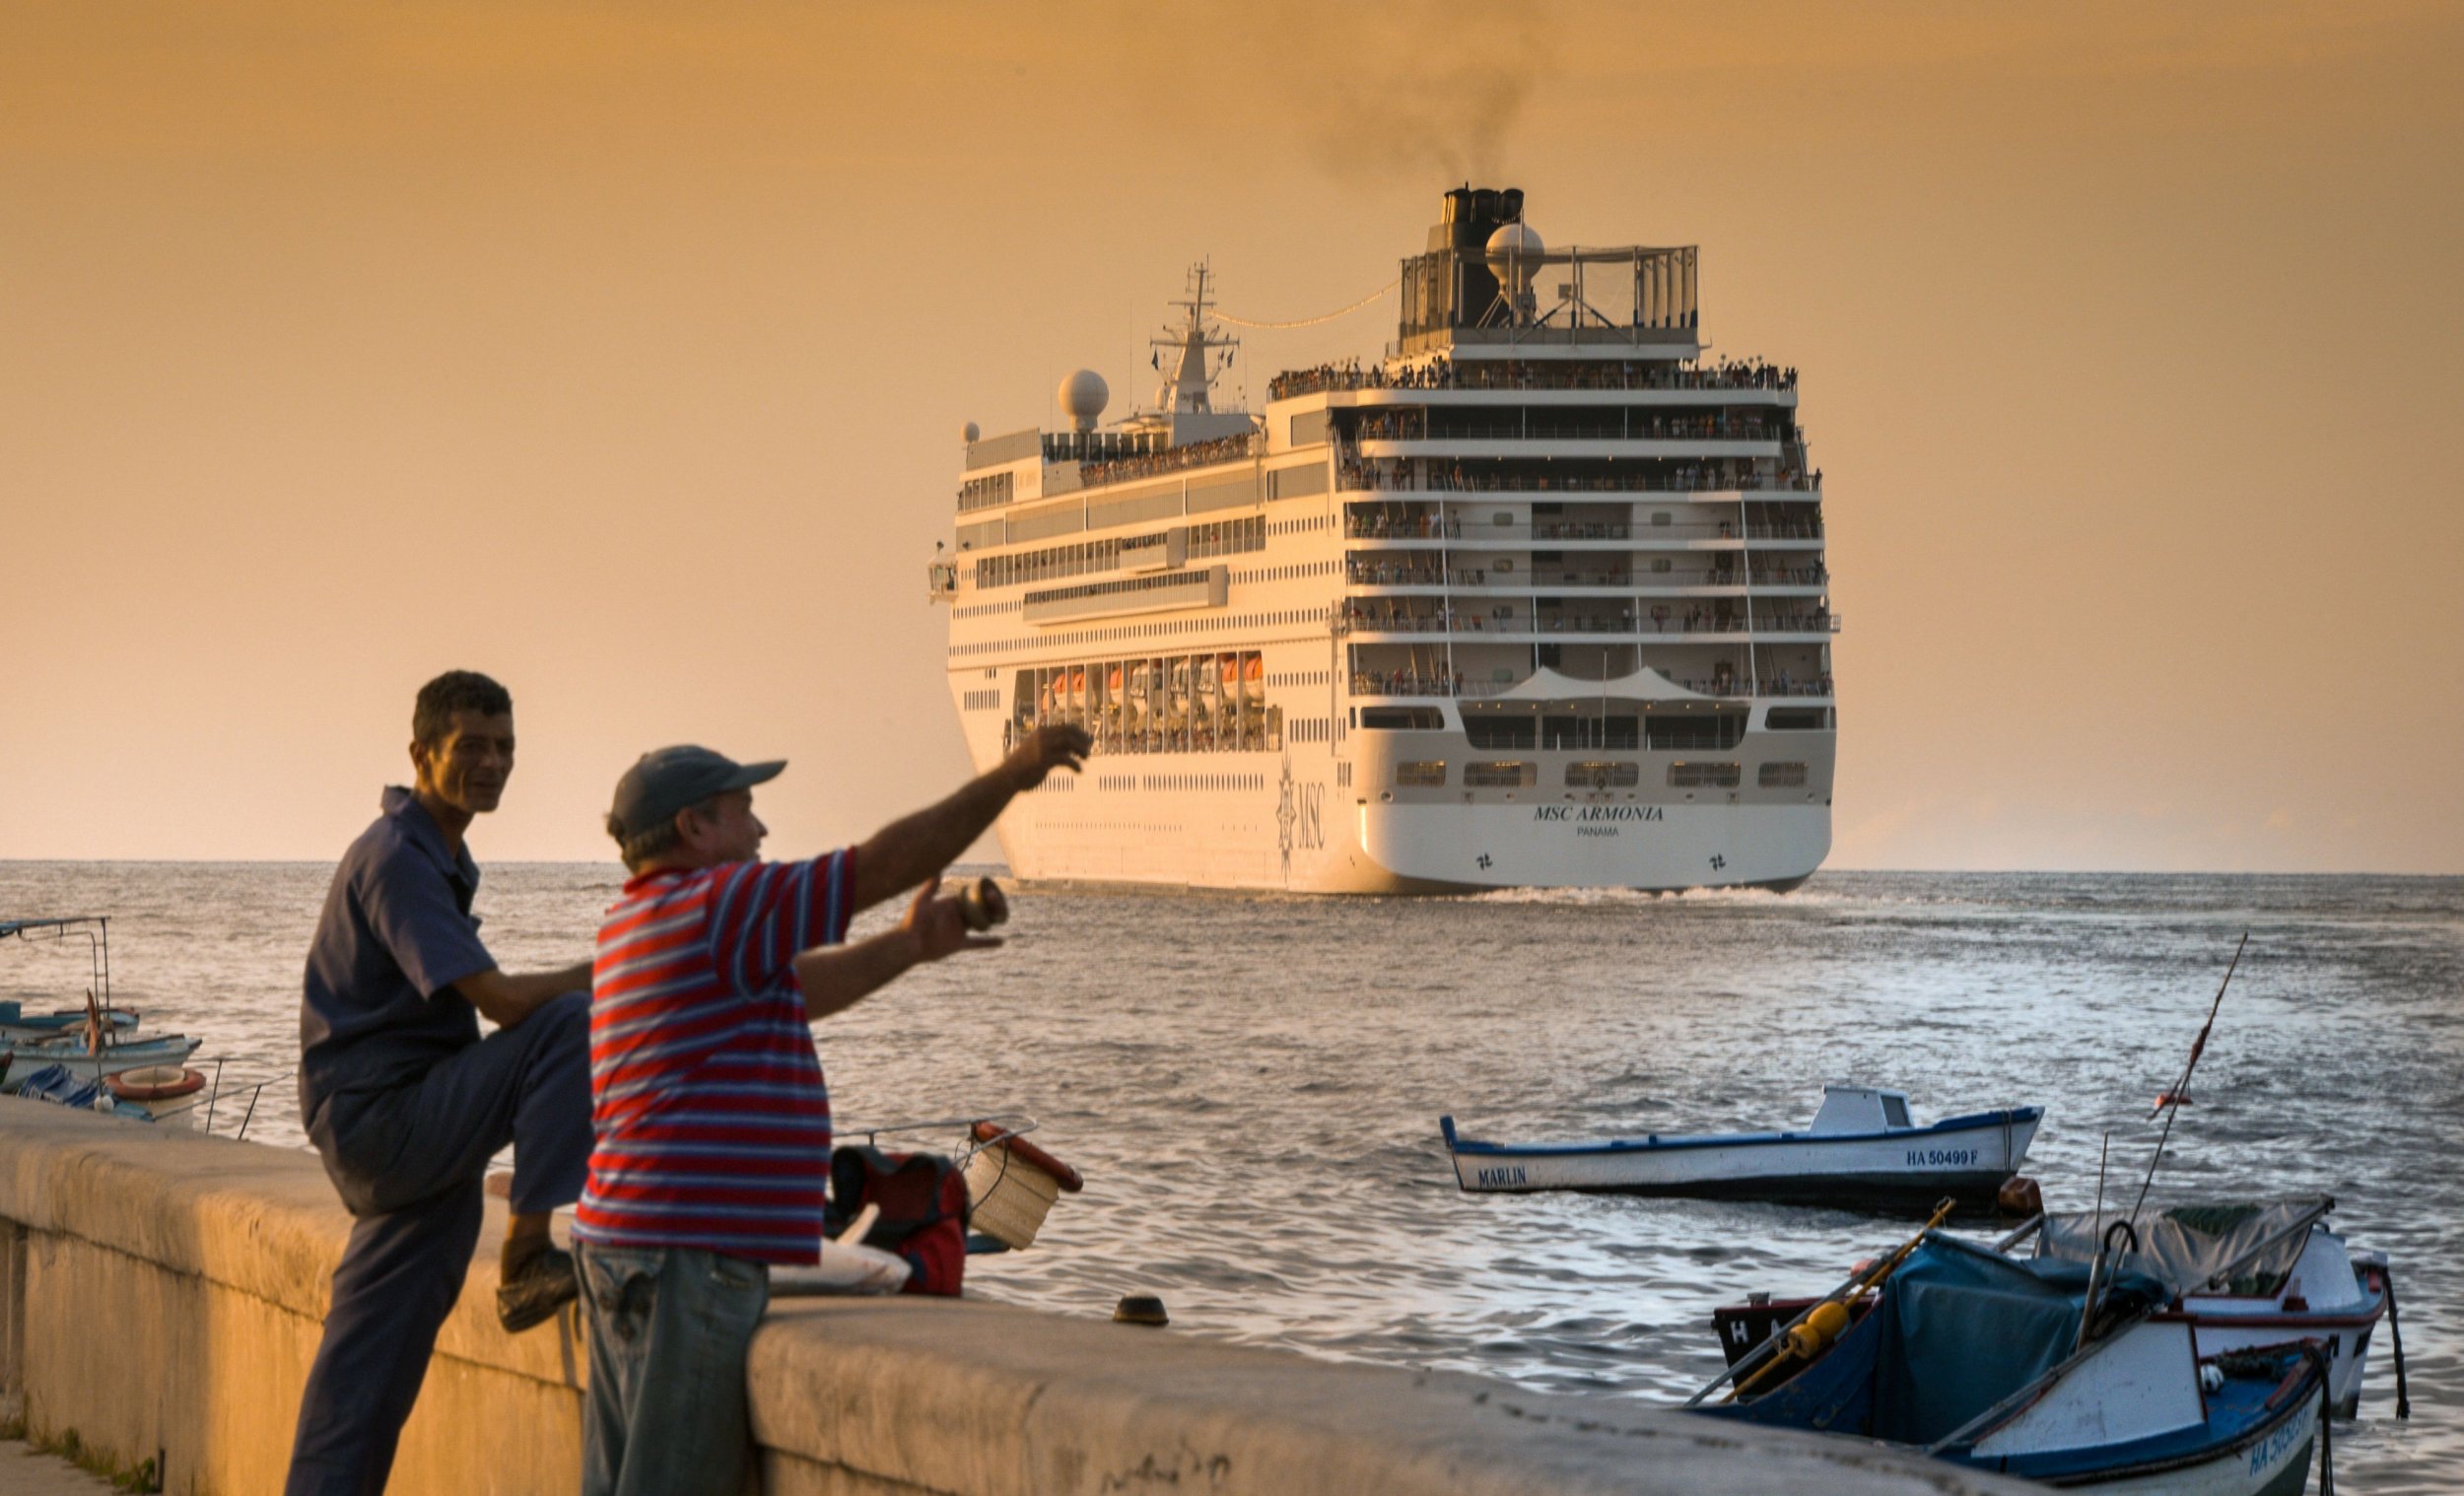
(1084, 396)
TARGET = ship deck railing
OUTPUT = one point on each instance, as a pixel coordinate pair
(1658, 428)
(1671, 627)
(1514, 581)
(1405, 529)
(1374, 476)
(1375, 684)
(1511, 374)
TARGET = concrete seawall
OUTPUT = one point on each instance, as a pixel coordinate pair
(161, 1294)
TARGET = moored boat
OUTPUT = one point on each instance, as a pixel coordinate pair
(1977, 1359)
(53, 1083)
(2246, 1274)
(69, 1055)
(1862, 1151)
(17, 1025)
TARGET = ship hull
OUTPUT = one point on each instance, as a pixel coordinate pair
(1291, 828)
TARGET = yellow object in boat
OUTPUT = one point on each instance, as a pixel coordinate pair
(1821, 1328)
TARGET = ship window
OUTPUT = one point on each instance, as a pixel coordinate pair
(1660, 518)
(1403, 718)
(1426, 774)
(1561, 733)
(1703, 776)
(1662, 564)
(1309, 428)
(1894, 1112)
(1780, 776)
(1502, 732)
(1502, 776)
(1798, 718)
(1694, 731)
(1601, 774)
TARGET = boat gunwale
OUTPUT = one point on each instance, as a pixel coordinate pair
(1654, 1142)
(2274, 1414)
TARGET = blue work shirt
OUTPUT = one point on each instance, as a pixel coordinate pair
(378, 1005)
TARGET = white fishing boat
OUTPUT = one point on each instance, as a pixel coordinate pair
(1862, 1151)
(2304, 1283)
(166, 1050)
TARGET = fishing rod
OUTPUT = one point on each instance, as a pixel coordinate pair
(2171, 1103)
(1782, 1340)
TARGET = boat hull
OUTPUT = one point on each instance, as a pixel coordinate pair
(171, 1050)
(2273, 1460)
(1964, 1158)
(1292, 821)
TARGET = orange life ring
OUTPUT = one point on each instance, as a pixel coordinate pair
(1028, 1153)
(155, 1083)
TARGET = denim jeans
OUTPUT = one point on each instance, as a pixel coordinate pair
(669, 1328)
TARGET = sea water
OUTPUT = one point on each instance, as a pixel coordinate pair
(1252, 1084)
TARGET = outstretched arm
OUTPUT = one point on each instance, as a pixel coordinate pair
(838, 977)
(508, 1000)
(906, 851)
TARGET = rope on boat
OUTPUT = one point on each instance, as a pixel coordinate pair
(1225, 317)
(2395, 1329)
(2318, 1358)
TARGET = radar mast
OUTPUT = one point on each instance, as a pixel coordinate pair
(1192, 376)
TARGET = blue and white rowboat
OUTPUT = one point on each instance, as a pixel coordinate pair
(1861, 1152)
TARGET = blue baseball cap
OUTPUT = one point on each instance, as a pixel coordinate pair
(665, 781)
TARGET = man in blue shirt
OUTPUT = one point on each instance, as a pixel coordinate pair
(406, 1102)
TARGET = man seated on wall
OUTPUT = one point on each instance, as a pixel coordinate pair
(713, 1119)
(406, 1102)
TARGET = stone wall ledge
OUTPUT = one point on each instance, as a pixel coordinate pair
(161, 1292)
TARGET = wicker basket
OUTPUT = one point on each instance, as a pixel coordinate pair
(1007, 1195)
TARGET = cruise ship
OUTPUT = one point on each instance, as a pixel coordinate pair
(1536, 600)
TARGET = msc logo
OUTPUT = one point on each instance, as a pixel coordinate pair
(1299, 816)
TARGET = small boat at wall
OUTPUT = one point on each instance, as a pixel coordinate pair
(2246, 1274)
(53, 1083)
(69, 1055)
(1977, 1359)
(1862, 1151)
(17, 1025)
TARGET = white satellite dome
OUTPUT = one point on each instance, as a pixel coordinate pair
(1084, 395)
(971, 432)
(1514, 253)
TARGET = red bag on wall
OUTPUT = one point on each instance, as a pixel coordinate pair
(923, 1212)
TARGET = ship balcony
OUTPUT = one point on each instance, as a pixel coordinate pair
(1430, 530)
(1625, 423)
(1553, 477)
(1520, 577)
(1723, 623)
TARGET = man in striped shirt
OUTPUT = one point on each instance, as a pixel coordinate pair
(709, 1109)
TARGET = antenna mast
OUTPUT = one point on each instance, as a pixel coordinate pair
(1189, 379)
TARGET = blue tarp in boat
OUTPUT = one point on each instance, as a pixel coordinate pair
(1958, 1328)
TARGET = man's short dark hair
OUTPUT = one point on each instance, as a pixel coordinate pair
(455, 690)
(651, 841)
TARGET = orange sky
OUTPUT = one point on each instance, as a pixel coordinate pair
(620, 350)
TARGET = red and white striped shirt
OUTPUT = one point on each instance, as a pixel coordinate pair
(709, 1112)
